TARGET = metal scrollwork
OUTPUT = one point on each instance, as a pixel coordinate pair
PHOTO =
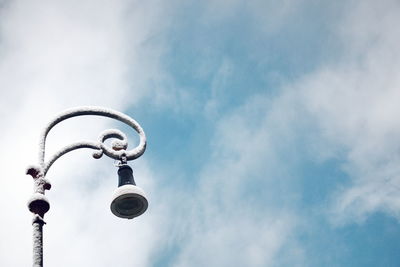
(118, 146)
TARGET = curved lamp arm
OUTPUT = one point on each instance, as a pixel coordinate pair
(118, 146)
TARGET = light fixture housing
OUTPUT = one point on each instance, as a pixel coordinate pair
(129, 200)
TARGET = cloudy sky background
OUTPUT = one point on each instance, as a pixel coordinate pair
(273, 131)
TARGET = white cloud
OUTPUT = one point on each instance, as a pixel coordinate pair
(56, 55)
(347, 110)
(241, 213)
(354, 104)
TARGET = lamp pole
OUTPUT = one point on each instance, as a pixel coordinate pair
(129, 201)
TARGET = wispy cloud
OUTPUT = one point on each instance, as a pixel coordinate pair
(345, 110)
(55, 55)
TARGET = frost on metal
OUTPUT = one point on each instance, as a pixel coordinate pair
(38, 204)
(118, 147)
(34, 171)
(37, 241)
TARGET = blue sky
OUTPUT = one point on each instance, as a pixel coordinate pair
(273, 132)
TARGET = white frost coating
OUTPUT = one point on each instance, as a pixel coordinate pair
(119, 146)
(37, 196)
(128, 191)
(66, 149)
(37, 241)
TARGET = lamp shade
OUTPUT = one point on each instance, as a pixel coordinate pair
(129, 200)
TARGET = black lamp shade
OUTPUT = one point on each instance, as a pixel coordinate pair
(128, 200)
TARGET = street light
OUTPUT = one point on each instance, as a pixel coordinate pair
(128, 200)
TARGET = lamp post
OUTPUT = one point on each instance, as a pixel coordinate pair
(128, 200)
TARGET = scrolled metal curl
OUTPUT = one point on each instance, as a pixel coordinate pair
(118, 146)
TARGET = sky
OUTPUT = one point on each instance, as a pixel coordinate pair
(273, 131)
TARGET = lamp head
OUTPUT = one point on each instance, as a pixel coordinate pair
(128, 200)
